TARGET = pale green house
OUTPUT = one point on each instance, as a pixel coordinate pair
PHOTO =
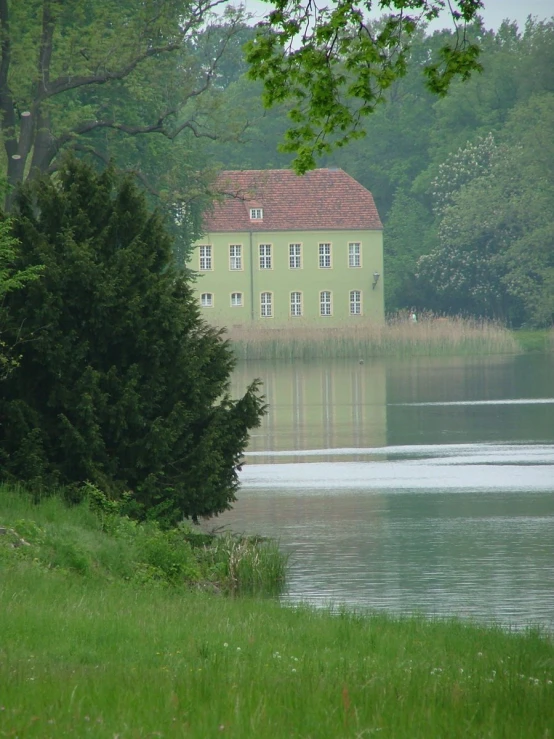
(283, 250)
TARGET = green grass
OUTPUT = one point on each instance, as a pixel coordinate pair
(81, 658)
(92, 541)
(430, 336)
(537, 340)
(84, 655)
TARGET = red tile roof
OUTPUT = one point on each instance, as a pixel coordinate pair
(321, 199)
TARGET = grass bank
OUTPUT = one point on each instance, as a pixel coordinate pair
(399, 336)
(83, 655)
(92, 540)
(537, 340)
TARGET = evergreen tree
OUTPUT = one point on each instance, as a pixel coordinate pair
(120, 382)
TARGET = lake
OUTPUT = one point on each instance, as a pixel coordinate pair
(411, 485)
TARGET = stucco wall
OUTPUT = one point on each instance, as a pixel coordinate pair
(281, 280)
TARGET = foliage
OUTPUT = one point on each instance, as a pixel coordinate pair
(10, 279)
(465, 268)
(134, 84)
(495, 202)
(123, 384)
(335, 65)
(406, 238)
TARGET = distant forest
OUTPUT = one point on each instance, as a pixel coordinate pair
(464, 184)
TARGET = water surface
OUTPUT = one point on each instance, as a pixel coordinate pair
(422, 485)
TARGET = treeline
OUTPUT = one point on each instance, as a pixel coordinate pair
(464, 184)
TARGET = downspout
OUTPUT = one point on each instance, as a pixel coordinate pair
(251, 278)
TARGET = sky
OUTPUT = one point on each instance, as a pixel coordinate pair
(494, 13)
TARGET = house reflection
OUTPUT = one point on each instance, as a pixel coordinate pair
(321, 405)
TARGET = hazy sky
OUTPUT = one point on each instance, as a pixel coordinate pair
(494, 13)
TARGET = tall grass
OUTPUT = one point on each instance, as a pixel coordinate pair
(399, 336)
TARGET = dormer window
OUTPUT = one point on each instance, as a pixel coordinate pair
(256, 214)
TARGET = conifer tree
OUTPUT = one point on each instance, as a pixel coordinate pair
(120, 381)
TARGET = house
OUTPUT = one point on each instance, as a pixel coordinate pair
(281, 249)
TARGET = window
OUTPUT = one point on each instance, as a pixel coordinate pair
(354, 254)
(295, 256)
(266, 305)
(235, 256)
(325, 256)
(256, 214)
(265, 256)
(236, 300)
(207, 300)
(325, 303)
(296, 304)
(205, 258)
(355, 303)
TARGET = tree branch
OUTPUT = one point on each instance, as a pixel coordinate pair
(70, 82)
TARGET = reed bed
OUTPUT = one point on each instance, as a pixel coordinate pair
(399, 336)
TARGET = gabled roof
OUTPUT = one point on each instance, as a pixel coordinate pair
(321, 199)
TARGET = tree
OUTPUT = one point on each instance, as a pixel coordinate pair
(126, 81)
(495, 255)
(334, 64)
(407, 236)
(465, 268)
(123, 384)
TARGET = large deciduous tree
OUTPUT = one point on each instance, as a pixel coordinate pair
(334, 63)
(122, 384)
(128, 81)
(495, 255)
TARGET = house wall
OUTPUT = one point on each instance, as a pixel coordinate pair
(281, 280)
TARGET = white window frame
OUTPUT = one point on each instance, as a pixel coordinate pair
(355, 299)
(256, 214)
(354, 254)
(266, 304)
(205, 258)
(296, 305)
(207, 300)
(237, 300)
(325, 306)
(235, 257)
(265, 252)
(295, 256)
(325, 256)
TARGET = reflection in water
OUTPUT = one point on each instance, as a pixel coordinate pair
(403, 501)
(318, 405)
